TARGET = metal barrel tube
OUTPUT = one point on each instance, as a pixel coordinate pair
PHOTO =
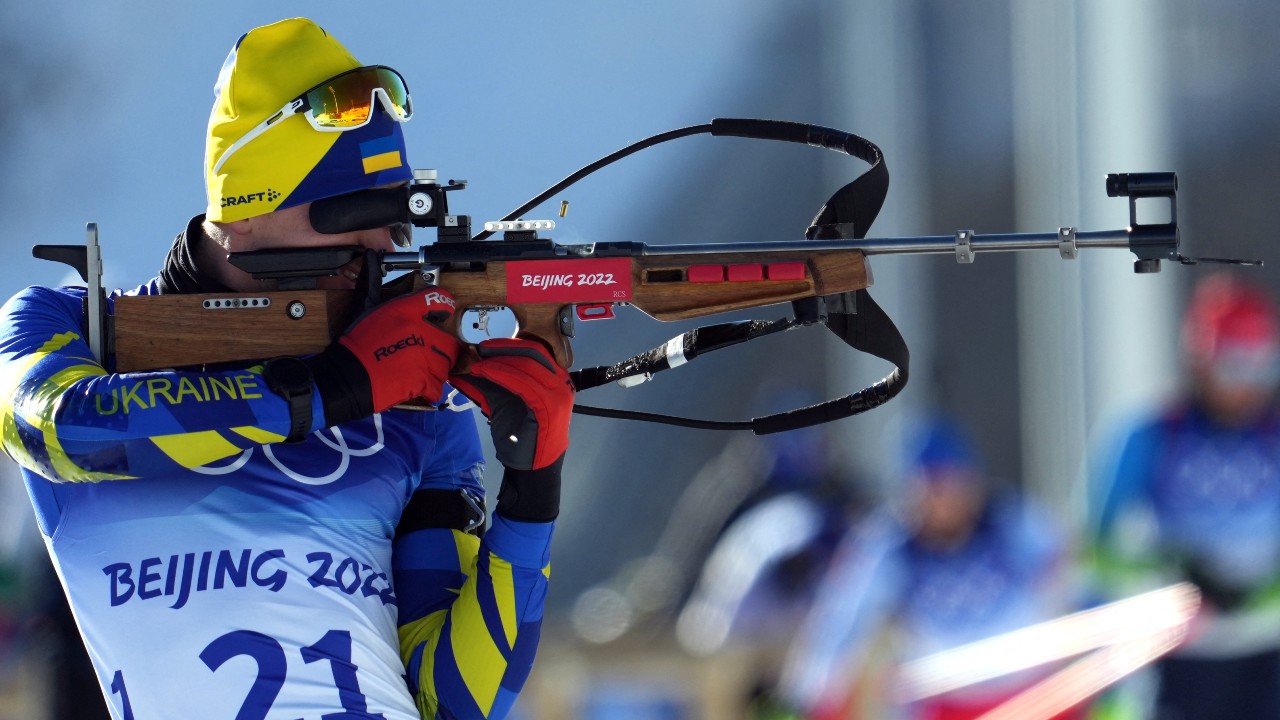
(921, 245)
(927, 244)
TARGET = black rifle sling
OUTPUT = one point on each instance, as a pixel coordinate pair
(854, 317)
(678, 351)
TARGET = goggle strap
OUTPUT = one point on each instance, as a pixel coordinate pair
(289, 109)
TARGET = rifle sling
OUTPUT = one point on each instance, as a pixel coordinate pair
(868, 330)
(679, 350)
(854, 317)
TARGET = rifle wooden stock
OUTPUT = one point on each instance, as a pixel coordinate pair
(150, 332)
(166, 331)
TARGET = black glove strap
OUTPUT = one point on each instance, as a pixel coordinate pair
(345, 391)
(290, 378)
(531, 495)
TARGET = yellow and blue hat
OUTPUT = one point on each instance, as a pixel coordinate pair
(293, 163)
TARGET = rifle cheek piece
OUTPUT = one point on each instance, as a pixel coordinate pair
(362, 210)
(424, 204)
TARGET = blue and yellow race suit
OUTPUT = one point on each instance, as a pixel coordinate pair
(215, 571)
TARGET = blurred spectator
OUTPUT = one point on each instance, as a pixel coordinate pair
(742, 548)
(958, 562)
(736, 567)
(1193, 492)
(760, 576)
(757, 580)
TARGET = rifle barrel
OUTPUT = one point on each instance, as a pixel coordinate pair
(964, 243)
(927, 244)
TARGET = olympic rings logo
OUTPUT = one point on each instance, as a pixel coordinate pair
(331, 437)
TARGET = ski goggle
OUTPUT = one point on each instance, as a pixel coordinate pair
(343, 102)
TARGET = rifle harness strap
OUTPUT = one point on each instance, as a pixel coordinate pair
(854, 317)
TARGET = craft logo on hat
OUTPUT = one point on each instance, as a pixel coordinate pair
(268, 196)
(289, 163)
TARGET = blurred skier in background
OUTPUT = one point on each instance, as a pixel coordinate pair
(957, 562)
(1192, 492)
(760, 576)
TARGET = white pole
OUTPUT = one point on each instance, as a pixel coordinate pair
(1046, 171)
(1096, 339)
(1130, 320)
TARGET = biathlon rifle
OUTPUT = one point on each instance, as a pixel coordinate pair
(548, 287)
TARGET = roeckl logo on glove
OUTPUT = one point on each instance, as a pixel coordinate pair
(383, 353)
(438, 298)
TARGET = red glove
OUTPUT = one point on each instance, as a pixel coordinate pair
(527, 397)
(394, 353)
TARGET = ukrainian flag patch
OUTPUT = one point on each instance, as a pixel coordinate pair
(380, 154)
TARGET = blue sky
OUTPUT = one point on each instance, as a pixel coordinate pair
(509, 96)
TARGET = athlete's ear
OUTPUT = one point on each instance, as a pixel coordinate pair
(240, 227)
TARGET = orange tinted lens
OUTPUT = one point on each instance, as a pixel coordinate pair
(391, 83)
(346, 101)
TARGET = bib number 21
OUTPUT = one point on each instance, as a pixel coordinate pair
(272, 662)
